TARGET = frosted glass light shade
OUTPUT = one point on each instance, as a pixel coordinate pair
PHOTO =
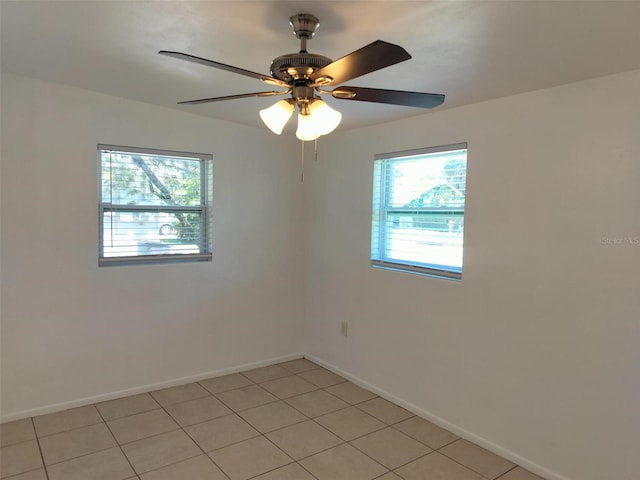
(325, 118)
(307, 128)
(277, 115)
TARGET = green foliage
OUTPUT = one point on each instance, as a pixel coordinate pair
(439, 196)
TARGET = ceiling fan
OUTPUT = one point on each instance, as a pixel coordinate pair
(304, 75)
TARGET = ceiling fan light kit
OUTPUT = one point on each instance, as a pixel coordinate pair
(326, 117)
(277, 115)
(304, 75)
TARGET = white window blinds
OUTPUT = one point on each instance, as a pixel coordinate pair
(155, 205)
(418, 210)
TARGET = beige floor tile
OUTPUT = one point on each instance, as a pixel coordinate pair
(226, 382)
(322, 377)
(159, 451)
(19, 458)
(198, 410)
(249, 458)
(350, 423)
(288, 386)
(105, 465)
(221, 432)
(246, 397)
(182, 393)
(123, 407)
(16, 432)
(426, 432)
(390, 447)
(272, 416)
(293, 471)
(316, 403)
(142, 425)
(350, 393)
(304, 439)
(477, 458)
(520, 473)
(66, 420)
(299, 365)
(343, 462)
(74, 443)
(264, 374)
(437, 466)
(32, 475)
(384, 410)
(196, 468)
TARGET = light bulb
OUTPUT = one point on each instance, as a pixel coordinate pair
(307, 128)
(277, 115)
(325, 117)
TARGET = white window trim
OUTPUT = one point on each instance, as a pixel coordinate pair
(204, 208)
(409, 267)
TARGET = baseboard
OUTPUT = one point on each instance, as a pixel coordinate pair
(459, 431)
(143, 389)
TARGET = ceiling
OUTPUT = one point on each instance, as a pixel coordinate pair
(469, 50)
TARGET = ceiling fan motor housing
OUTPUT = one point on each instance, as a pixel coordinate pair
(297, 66)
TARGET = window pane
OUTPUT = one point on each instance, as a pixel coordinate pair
(134, 179)
(136, 233)
(425, 239)
(434, 180)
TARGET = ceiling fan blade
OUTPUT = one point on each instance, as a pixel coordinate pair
(232, 97)
(369, 58)
(222, 66)
(393, 97)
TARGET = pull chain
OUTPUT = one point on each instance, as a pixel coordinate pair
(302, 163)
(315, 157)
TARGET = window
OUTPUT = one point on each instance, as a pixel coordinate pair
(155, 206)
(418, 210)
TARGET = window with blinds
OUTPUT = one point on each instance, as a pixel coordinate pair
(155, 206)
(418, 210)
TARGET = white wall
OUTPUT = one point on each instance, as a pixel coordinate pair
(536, 352)
(73, 331)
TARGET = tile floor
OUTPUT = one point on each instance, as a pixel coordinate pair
(292, 421)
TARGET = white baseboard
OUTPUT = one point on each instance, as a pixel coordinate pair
(142, 389)
(459, 431)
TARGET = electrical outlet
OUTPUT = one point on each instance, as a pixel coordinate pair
(344, 329)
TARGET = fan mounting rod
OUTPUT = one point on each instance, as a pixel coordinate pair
(304, 27)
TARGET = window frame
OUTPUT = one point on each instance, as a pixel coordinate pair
(379, 222)
(206, 187)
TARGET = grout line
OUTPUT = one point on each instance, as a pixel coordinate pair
(306, 470)
(503, 474)
(16, 475)
(447, 444)
(44, 466)
(135, 472)
(71, 429)
(194, 441)
(467, 466)
(133, 414)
